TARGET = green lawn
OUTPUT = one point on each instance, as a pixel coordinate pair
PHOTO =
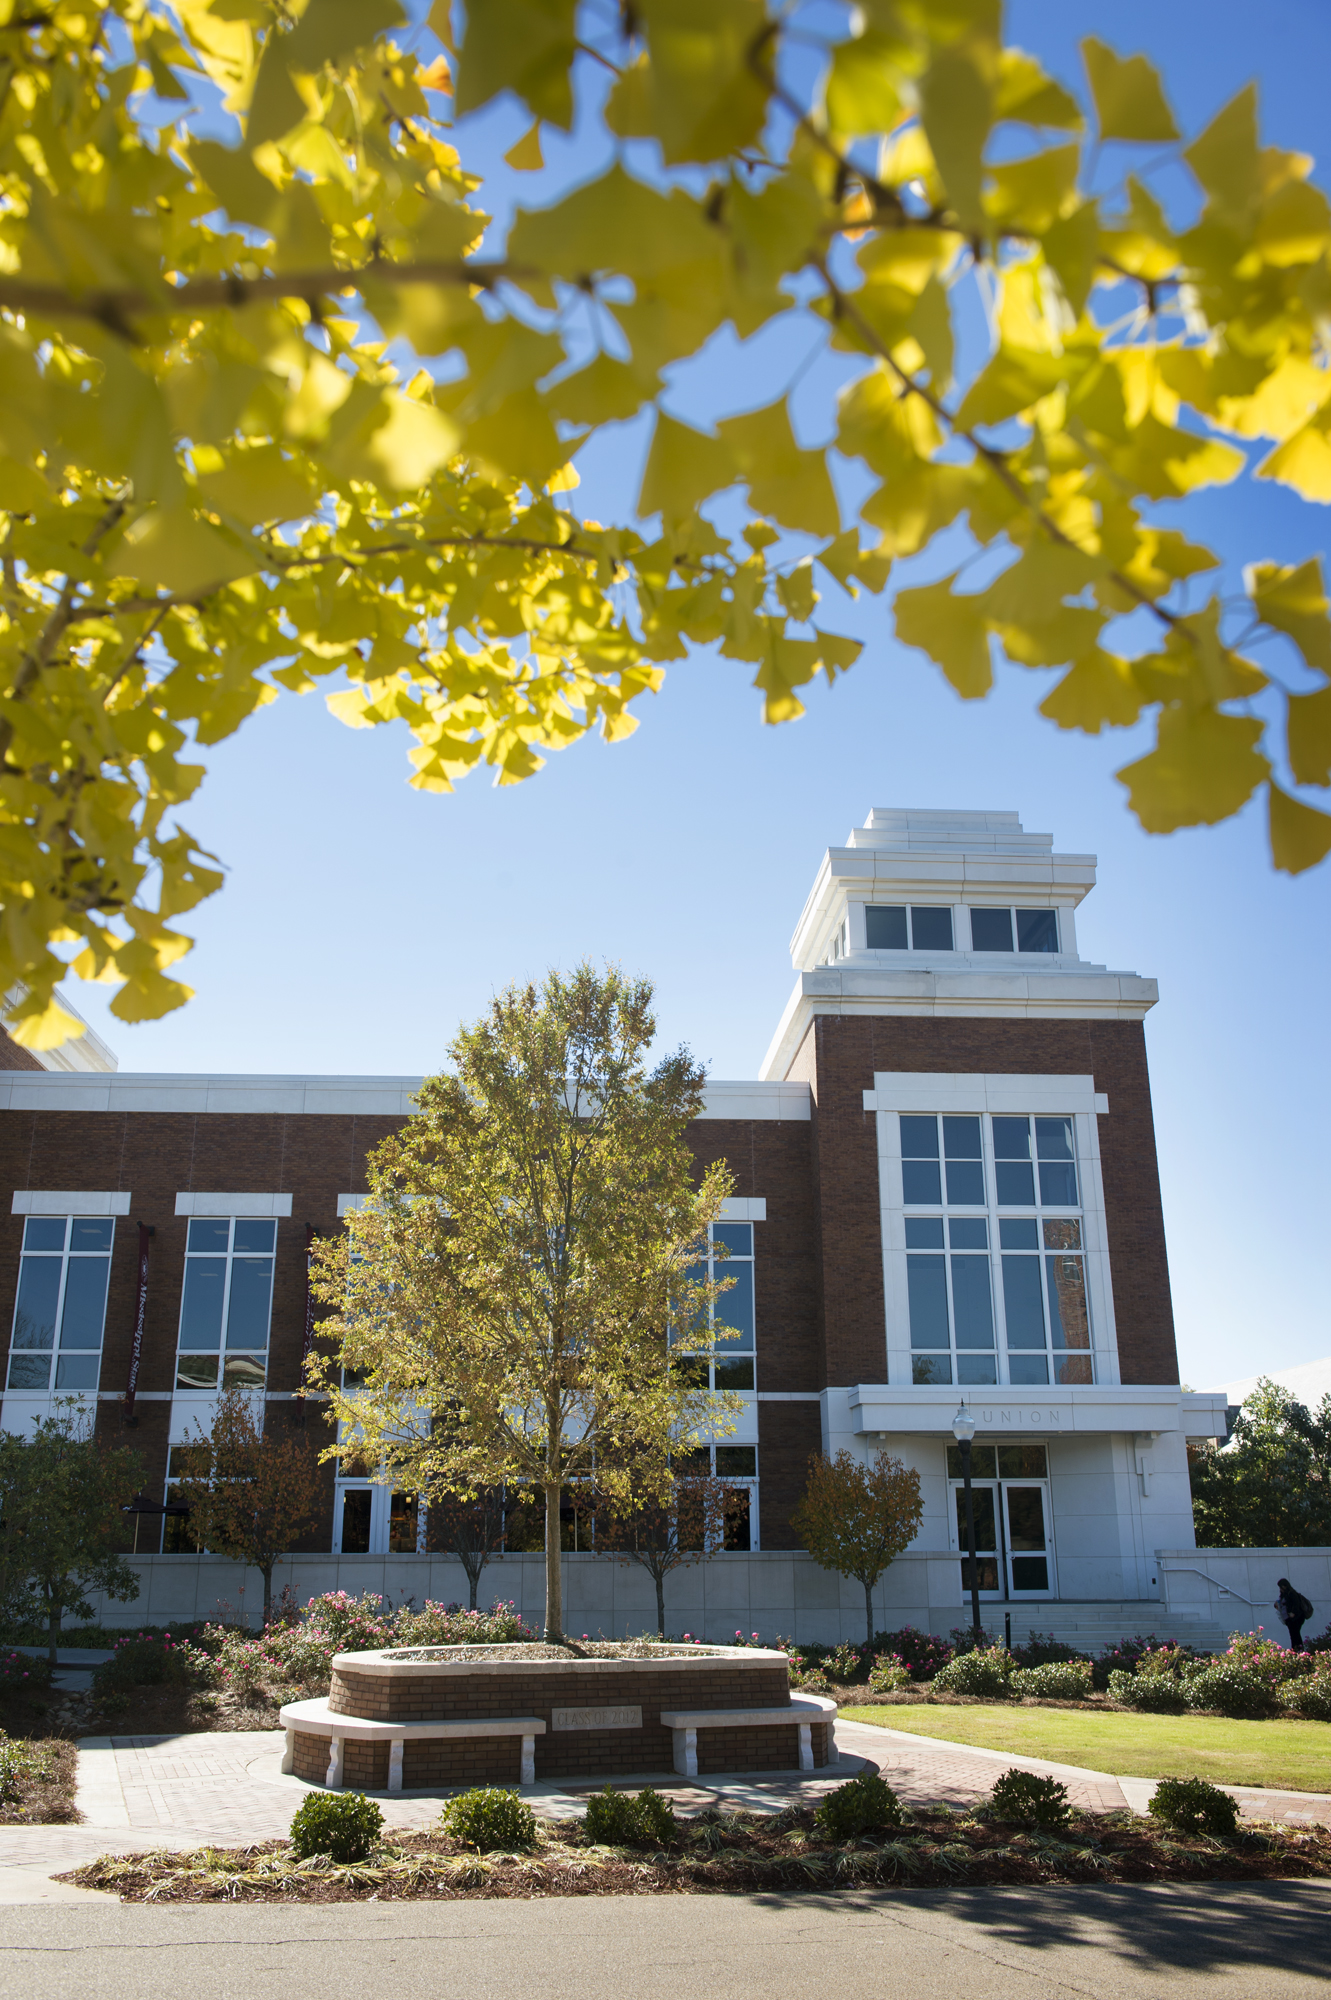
(1293, 1755)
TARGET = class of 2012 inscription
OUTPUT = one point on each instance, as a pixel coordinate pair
(596, 1718)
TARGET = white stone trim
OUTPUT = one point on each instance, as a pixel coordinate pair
(753, 1101)
(67, 1201)
(245, 1205)
(743, 1208)
(928, 1090)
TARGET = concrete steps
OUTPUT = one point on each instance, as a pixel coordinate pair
(1091, 1627)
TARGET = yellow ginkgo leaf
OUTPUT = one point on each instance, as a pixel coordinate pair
(1294, 601)
(1300, 834)
(951, 630)
(1203, 768)
(526, 156)
(1308, 734)
(1130, 101)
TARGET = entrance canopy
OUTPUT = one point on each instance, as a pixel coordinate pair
(879, 1408)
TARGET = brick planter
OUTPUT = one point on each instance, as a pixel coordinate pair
(586, 1718)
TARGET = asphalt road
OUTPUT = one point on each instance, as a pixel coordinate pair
(1219, 1939)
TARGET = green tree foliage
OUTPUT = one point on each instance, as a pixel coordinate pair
(60, 1520)
(278, 408)
(1270, 1487)
(857, 1519)
(504, 1296)
(252, 1490)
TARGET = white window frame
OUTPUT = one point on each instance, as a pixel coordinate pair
(870, 903)
(381, 1509)
(68, 1217)
(992, 1095)
(1061, 927)
(230, 1253)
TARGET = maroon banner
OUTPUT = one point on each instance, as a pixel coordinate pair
(136, 1350)
(307, 1345)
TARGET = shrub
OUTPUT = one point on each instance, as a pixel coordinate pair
(1055, 1680)
(1042, 1649)
(354, 1624)
(843, 1664)
(343, 1825)
(865, 1804)
(453, 1625)
(921, 1653)
(19, 1761)
(1309, 1696)
(1157, 1693)
(888, 1674)
(1123, 1656)
(24, 1673)
(148, 1659)
(1231, 1688)
(1021, 1795)
(986, 1670)
(618, 1819)
(1191, 1805)
(489, 1818)
(1264, 1656)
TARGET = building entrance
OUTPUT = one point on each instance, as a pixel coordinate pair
(1014, 1544)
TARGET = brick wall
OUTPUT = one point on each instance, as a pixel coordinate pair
(13, 1057)
(788, 1436)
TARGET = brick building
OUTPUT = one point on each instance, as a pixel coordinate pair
(945, 1190)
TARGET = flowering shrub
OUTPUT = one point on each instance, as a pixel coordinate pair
(150, 1659)
(1123, 1657)
(1309, 1696)
(888, 1674)
(1055, 1680)
(843, 1664)
(1157, 1693)
(1232, 1687)
(23, 1672)
(451, 1625)
(921, 1653)
(1043, 1649)
(985, 1670)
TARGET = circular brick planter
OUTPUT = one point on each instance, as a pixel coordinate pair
(415, 1719)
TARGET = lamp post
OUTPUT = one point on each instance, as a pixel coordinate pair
(963, 1430)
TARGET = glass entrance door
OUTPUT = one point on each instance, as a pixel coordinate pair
(1014, 1553)
(984, 1504)
(1026, 1515)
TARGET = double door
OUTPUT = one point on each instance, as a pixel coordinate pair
(1014, 1554)
(373, 1520)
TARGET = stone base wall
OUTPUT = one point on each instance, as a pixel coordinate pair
(311, 1758)
(475, 1694)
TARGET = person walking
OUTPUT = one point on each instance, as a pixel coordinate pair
(1293, 1608)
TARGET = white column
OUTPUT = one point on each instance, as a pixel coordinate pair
(395, 1744)
(806, 1746)
(527, 1775)
(289, 1754)
(686, 1751)
(333, 1775)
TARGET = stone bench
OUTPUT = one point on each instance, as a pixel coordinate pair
(803, 1711)
(316, 1718)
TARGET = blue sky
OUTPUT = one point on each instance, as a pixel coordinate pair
(362, 921)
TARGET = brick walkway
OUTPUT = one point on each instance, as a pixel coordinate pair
(226, 1789)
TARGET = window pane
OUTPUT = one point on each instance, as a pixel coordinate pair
(1016, 1184)
(983, 1514)
(1014, 1234)
(1064, 1234)
(1073, 1369)
(976, 1368)
(1068, 1319)
(244, 1371)
(735, 1306)
(196, 1371)
(38, 1294)
(965, 1183)
(91, 1232)
(737, 1537)
(251, 1294)
(356, 1522)
(44, 1232)
(926, 1286)
(77, 1371)
(1022, 1308)
(1025, 1519)
(1025, 1370)
(733, 1374)
(1012, 1138)
(921, 1184)
(982, 1462)
(403, 1521)
(737, 1237)
(29, 1371)
(1053, 1139)
(924, 1232)
(930, 1368)
(930, 929)
(919, 1138)
(967, 1232)
(253, 1236)
(1030, 1572)
(1058, 1186)
(972, 1303)
(210, 1233)
(961, 1138)
(1037, 930)
(85, 1302)
(737, 1461)
(991, 930)
(885, 927)
(201, 1313)
(1022, 1461)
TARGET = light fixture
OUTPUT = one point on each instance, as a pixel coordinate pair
(963, 1425)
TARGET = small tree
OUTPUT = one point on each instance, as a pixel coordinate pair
(251, 1492)
(471, 1527)
(60, 1499)
(1270, 1487)
(535, 1236)
(856, 1519)
(660, 1534)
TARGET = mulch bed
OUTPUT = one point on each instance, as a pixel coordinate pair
(720, 1853)
(40, 1790)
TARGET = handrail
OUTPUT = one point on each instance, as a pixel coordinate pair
(1191, 1569)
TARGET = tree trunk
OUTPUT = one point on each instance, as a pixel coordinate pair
(868, 1616)
(473, 1582)
(266, 1572)
(54, 1611)
(554, 1581)
(660, 1605)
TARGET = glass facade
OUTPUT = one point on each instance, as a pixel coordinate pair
(226, 1303)
(60, 1310)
